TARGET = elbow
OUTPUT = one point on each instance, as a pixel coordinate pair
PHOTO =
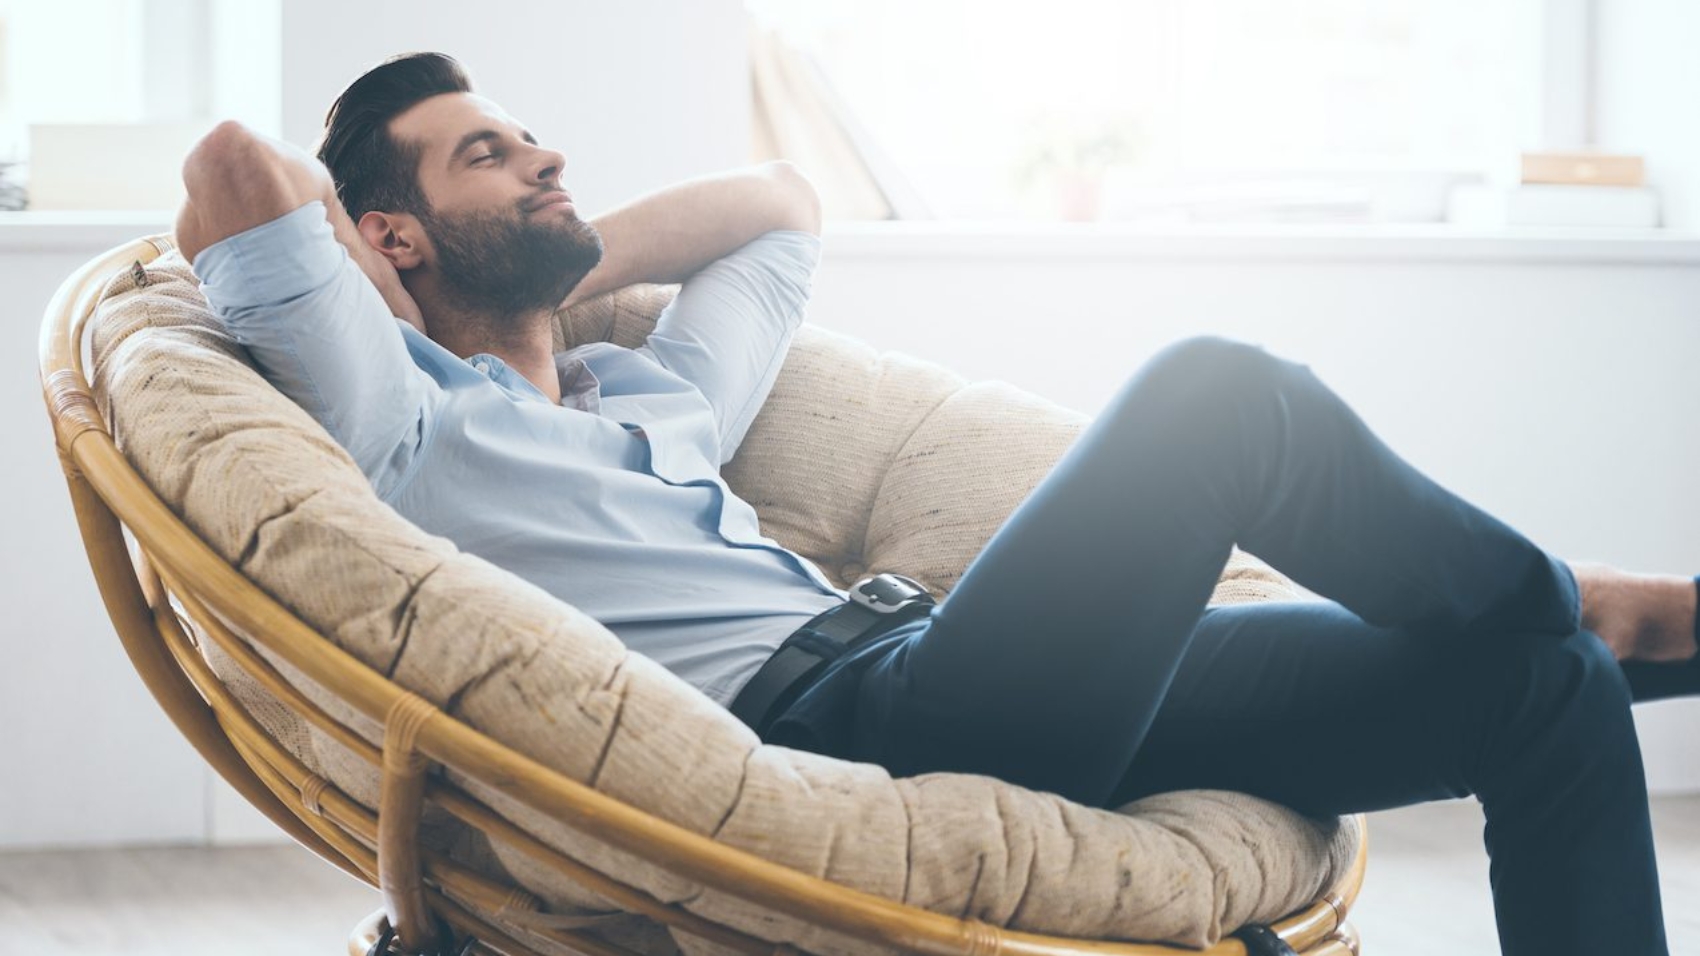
(220, 157)
(229, 136)
(236, 179)
(234, 161)
(212, 175)
(801, 201)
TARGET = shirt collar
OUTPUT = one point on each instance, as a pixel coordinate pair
(502, 374)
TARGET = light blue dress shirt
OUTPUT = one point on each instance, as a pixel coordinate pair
(612, 500)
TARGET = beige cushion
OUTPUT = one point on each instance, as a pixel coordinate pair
(270, 491)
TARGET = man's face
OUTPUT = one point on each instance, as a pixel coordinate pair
(503, 234)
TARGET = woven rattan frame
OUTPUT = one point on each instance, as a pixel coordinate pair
(168, 559)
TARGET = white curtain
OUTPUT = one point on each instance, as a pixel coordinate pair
(797, 116)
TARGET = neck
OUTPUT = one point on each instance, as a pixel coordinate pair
(525, 342)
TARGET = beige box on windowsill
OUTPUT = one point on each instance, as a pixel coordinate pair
(109, 165)
(1584, 169)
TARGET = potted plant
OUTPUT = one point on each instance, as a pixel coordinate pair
(1070, 154)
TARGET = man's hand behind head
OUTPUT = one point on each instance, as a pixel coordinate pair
(237, 179)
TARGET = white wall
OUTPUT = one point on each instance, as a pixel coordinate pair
(89, 757)
(1649, 83)
(638, 94)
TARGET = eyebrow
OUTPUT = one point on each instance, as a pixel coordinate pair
(484, 136)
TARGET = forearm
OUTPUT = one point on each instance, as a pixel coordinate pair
(672, 233)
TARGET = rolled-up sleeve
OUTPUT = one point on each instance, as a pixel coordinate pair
(728, 330)
(322, 334)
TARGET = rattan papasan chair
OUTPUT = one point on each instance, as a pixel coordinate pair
(504, 771)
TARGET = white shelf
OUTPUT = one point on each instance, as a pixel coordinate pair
(1257, 243)
(93, 231)
(73, 230)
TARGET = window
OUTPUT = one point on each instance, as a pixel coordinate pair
(1179, 109)
(81, 83)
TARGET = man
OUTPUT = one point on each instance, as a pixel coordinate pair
(1077, 654)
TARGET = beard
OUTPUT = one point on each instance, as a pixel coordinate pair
(506, 266)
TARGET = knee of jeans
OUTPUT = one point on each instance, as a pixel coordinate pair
(1557, 701)
(1209, 353)
(1205, 368)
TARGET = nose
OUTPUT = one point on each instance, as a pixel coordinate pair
(547, 165)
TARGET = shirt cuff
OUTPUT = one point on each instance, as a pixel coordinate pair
(803, 247)
(271, 263)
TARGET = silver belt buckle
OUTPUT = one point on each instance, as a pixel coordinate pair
(889, 593)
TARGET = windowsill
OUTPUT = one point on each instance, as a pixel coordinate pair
(1258, 242)
(91, 231)
(78, 230)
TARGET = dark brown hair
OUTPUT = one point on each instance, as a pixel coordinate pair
(371, 168)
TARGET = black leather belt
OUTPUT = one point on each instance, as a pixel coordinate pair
(876, 605)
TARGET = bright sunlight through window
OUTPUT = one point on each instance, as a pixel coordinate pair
(1186, 110)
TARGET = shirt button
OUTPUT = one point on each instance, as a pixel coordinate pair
(482, 367)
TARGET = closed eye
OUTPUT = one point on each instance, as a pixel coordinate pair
(491, 157)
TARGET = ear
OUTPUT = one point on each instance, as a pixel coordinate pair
(396, 236)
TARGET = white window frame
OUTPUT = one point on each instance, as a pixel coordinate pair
(200, 61)
(1570, 74)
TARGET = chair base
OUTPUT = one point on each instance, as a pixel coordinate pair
(366, 933)
(364, 941)
(1343, 941)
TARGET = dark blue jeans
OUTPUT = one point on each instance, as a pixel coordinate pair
(1077, 654)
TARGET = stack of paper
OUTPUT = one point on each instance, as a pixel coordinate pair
(1563, 189)
(1627, 207)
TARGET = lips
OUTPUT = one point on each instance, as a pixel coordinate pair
(550, 198)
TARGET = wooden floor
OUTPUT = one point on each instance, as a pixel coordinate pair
(281, 901)
(1429, 859)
